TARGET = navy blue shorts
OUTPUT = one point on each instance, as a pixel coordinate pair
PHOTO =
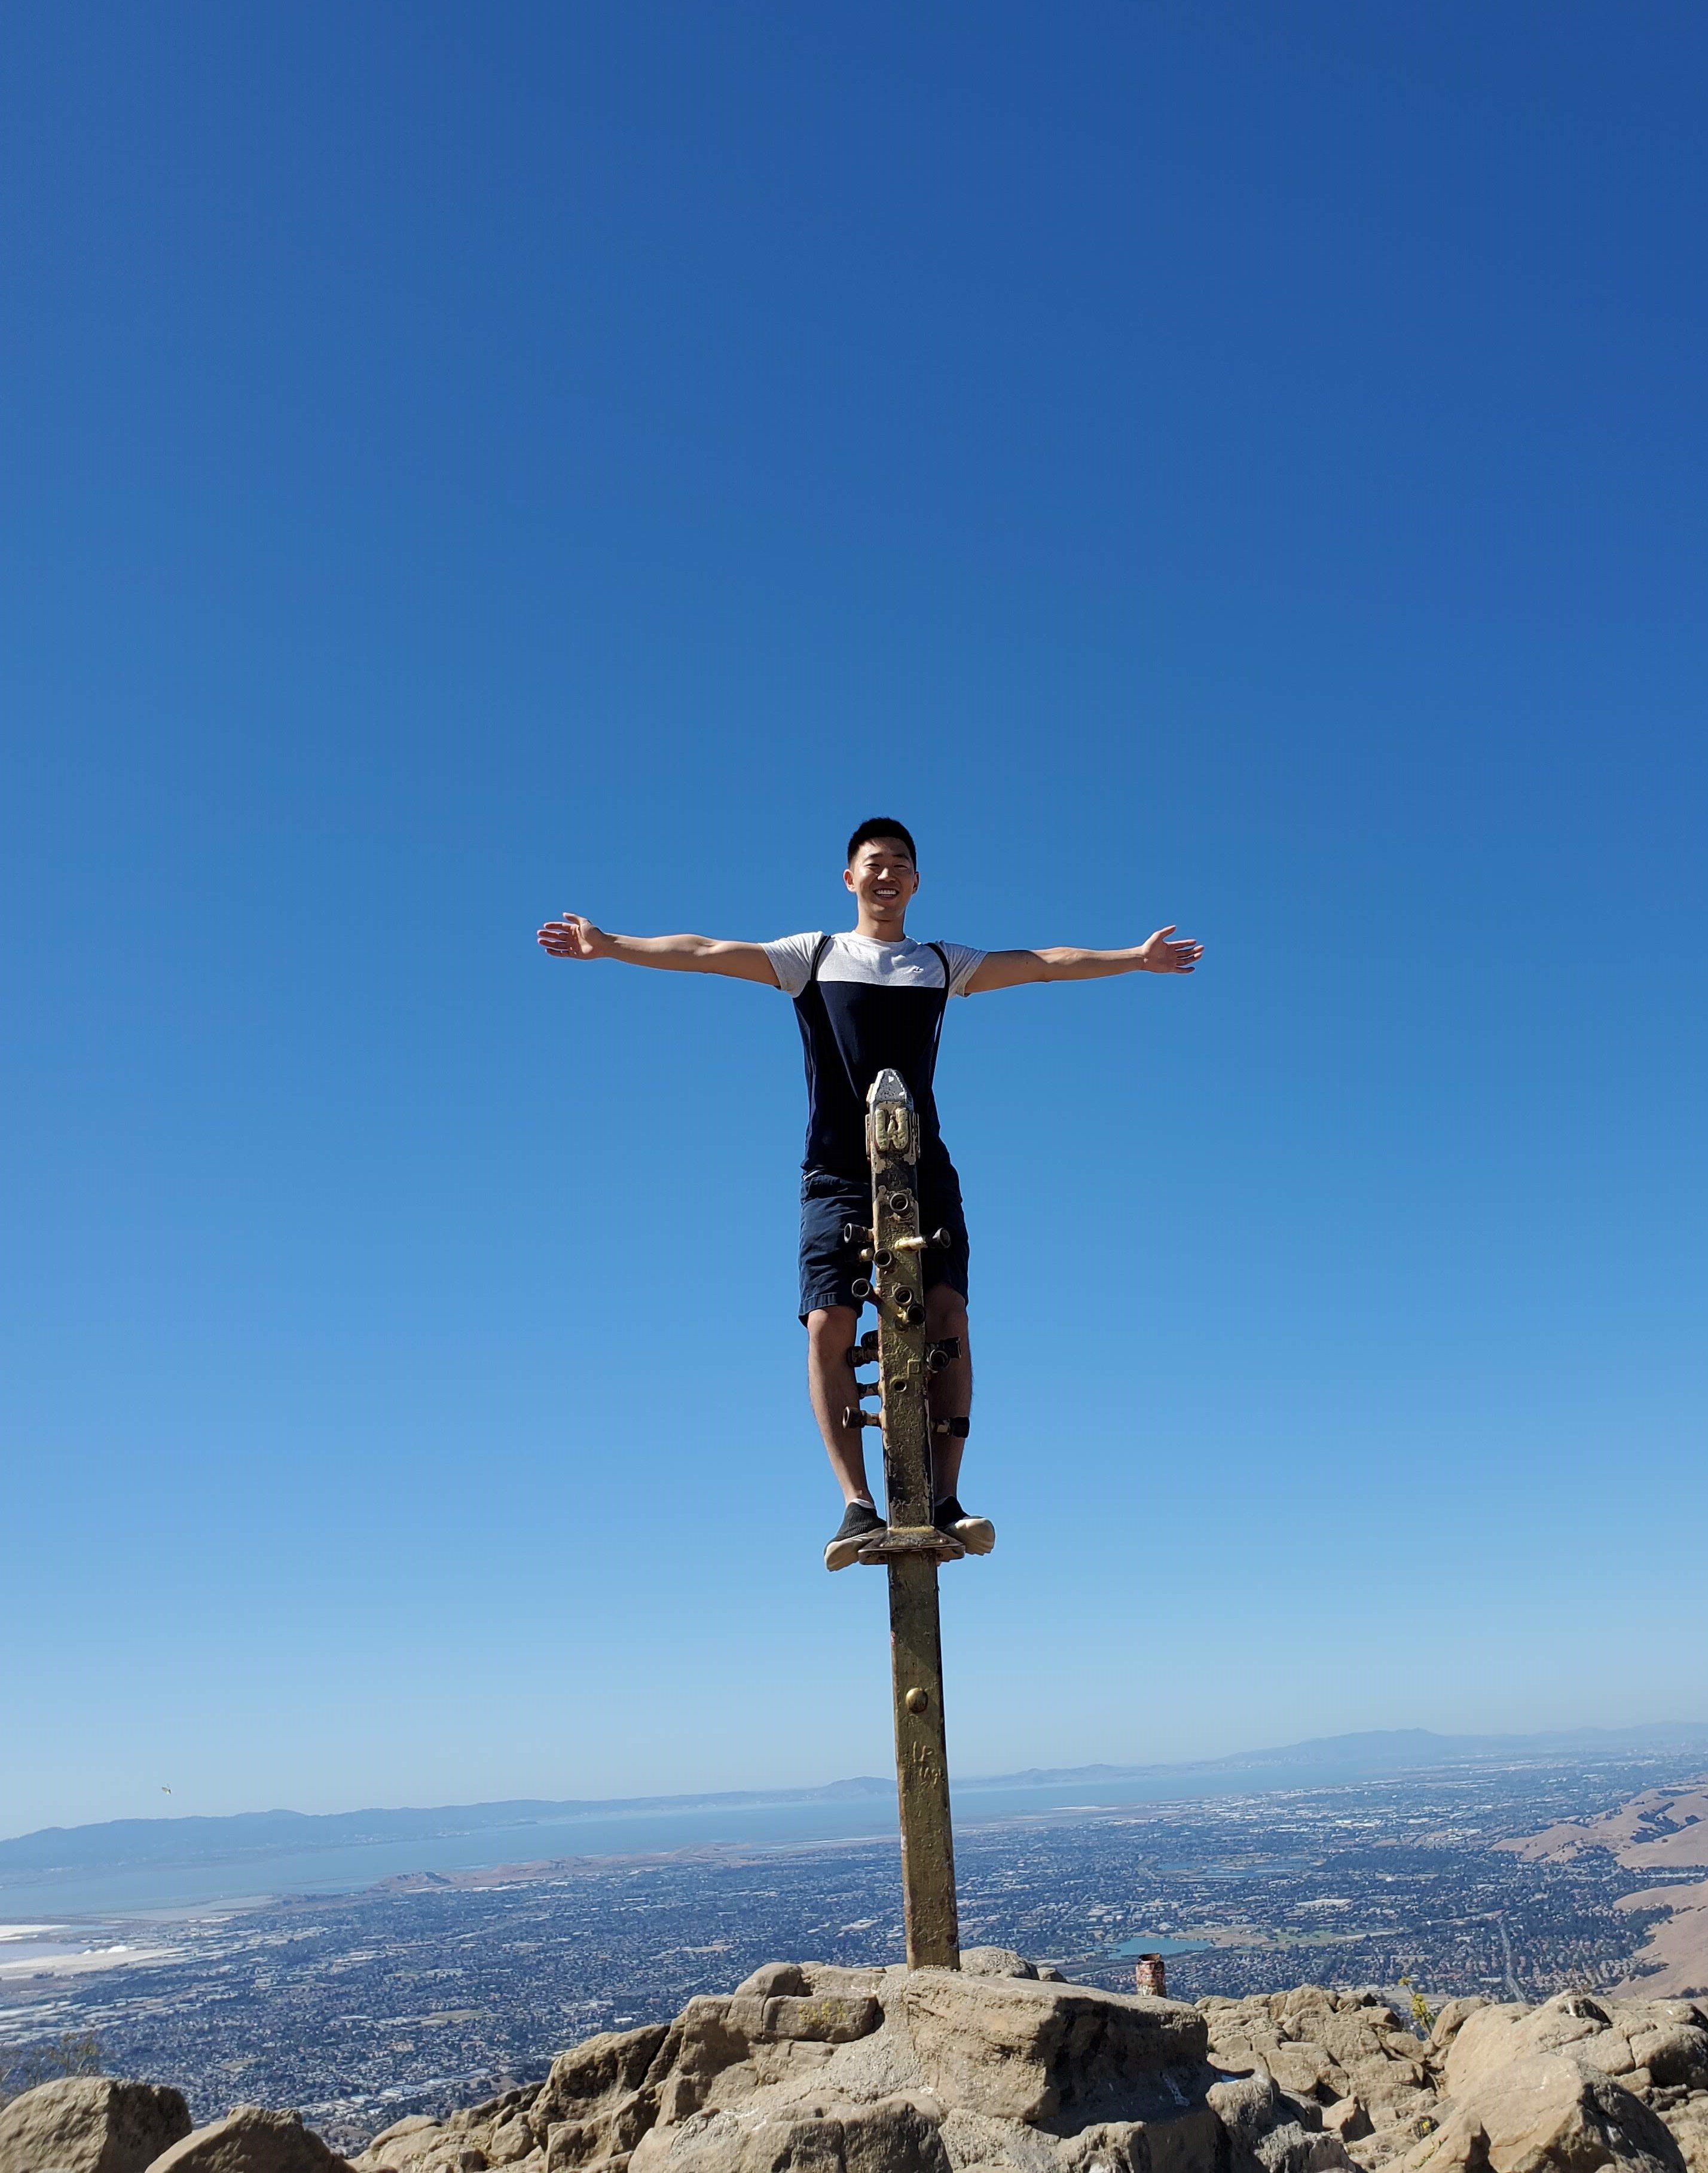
(828, 1267)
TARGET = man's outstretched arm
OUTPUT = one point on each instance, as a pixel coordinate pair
(575, 936)
(1164, 953)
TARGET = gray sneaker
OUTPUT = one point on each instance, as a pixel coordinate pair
(861, 1524)
(978, 1535)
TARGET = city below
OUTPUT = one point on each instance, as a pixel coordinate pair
(428, 1988)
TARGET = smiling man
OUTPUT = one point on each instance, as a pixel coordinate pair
(868, 999)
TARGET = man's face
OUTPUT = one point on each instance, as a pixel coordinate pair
(883, 876)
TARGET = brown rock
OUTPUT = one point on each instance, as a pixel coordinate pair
(1644, 2042)
(973, 2139)
(1306, 2070)
(614, 2063)
(1391, 2089)
(995, 1962)
(1049, 2053)
(1108, 2146)
(893, 2136)
(252, 2141)
(773, 1980)
(1669, 2037)
(511, 2141)
(1548, 2110)
(597, 2102)
(1688, 2126)
(1261, 2137)
(89, 2124)
(810, 1981)
(401, 2130)
(1247, 2107)
(825, 2018)
(1348, 2038)
(1347, 2119)
(421, 2145)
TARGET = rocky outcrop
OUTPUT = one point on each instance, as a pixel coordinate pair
(89, 2124)
(1344, 2061)
(1001, 2068)
(94, 2124)
(1057, 2056)
(1568, 2087)
(882, 2071)
(1547, 2111)
(249, 2140)
(1646, 2044)
(1576, 2082)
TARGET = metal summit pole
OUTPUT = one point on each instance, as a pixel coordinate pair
(912, 1547)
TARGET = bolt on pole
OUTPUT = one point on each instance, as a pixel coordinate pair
(911, 1546)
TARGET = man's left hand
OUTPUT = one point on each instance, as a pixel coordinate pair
(1165, 952)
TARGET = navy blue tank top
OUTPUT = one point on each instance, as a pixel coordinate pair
(851, 1031)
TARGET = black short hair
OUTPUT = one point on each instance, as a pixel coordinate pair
(883, 825)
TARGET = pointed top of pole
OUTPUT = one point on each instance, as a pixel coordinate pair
(889, 1086)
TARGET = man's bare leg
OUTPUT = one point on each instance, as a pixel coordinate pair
(952, 1390)
(830, 1381)
(951, 1394)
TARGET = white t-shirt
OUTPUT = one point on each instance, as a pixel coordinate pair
(875, 965)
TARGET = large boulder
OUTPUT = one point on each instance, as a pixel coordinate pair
(493, 2133)
(1644, 2043)
(1452, 2018)
(249, 2140)
(1548, 2110)
(781, 2026)
(89, 2124)
(594, 2107)
(1261, 2135)
(1050, 2054)
(893, 2136)
(996, 1961)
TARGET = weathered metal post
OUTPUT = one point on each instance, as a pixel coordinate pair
(912, 1547)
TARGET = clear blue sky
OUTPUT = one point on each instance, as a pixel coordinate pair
(1237, 466)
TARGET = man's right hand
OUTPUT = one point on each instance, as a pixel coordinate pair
(573, 936)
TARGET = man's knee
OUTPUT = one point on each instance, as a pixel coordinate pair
(830, 1331)
(945, 1312)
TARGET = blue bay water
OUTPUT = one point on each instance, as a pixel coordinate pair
(342, 1866)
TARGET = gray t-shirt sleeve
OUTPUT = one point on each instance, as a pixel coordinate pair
(791, 960)
(963, 964)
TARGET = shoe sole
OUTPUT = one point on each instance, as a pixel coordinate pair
(978, 1535)
(843, 1554)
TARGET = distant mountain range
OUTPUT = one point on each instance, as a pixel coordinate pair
(1367, 1756)
(1321, 1762)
